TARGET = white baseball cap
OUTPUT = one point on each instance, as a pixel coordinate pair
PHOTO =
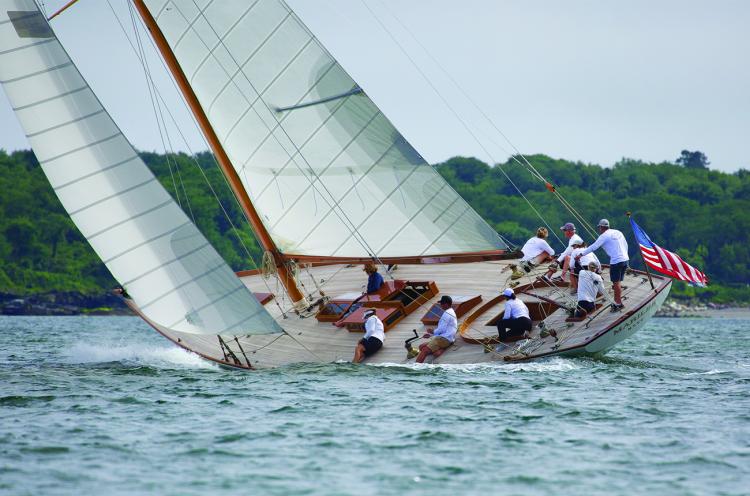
(508, 292)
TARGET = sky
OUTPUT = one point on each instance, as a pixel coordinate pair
(588, 80)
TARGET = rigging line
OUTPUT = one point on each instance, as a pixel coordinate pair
(336, 206)
(455, 113)
(147, 74)
(235, 230)
(166, 130)
(589, 229)
(339, 212)
(487, 118)
(163, 102)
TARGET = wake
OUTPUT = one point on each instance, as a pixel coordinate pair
(555, 364)
(138, 354)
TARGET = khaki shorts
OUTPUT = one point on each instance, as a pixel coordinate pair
(438, 343)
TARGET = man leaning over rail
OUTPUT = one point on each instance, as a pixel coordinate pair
(374, 337)
(444, 334)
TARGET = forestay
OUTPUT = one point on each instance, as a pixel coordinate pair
(327, 171)
(166, 265)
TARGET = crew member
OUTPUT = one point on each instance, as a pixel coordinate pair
(444, 334)
(374, 279)
(536, 250)
(374, 337)
(582, 264)
(590, 284)
(516, 321)
(569, 230)
(614, 243)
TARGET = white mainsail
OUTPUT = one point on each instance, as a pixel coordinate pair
(149, 245)
(327, 171)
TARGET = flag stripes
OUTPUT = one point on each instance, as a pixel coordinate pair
(665, 261)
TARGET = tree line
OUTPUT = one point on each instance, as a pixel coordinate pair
(684, 206)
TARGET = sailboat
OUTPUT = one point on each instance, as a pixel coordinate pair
(326, 182)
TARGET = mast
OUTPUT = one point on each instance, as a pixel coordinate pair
(286, 277)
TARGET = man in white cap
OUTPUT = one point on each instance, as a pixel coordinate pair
(374, 337)
(444, 334)
(569, 230)
(613, 242)
(516, 321)
(590, 284)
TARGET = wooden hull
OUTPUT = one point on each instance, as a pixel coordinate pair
(306, 340)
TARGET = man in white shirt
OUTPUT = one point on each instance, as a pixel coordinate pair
(590, 285)
(613, 242)
(444, 334)
(582, 263)
(535, 251)
(374, 337)
(516, 321)
(564, 260)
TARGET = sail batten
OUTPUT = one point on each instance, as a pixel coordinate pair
(327, 172)
(147, 242)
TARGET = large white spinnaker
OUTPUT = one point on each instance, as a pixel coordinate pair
(327, 171)
(149, 245)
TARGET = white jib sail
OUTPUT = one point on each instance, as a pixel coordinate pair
(149, 245)
(328, 172)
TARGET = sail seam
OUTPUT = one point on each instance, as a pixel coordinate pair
(299, 148)
(176, 259)
(346, 193)
(84, 147)
(242, 321)
(37, 73)
(241, 68)
(32, 135)
(192, 23)
(398, 186)
(86, 176)
(119, 193)
(467, 208)
(283, 118)
(272, 82)
(61, 95)
(4, 52)
(146, 242)
(325, 169)
(161, 10)
(181, 285)
(410, 219)
(210, 303)
(146, 212)
(221, 40)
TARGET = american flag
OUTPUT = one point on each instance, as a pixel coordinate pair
(665, 261)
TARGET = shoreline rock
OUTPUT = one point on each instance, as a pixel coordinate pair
(677, 309)
(63, 303)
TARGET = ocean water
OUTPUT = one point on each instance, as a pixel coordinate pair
(104, 405)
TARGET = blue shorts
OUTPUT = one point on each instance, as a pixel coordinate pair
(617, 271)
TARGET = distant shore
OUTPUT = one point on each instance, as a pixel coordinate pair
(72, 303)
(674, 308)
(64, 303)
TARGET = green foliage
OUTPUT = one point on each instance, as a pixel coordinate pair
(693, 160)
(686, 207)
(42, 251)
(700, 213)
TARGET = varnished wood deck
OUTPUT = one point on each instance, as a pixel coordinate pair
(307, 340)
